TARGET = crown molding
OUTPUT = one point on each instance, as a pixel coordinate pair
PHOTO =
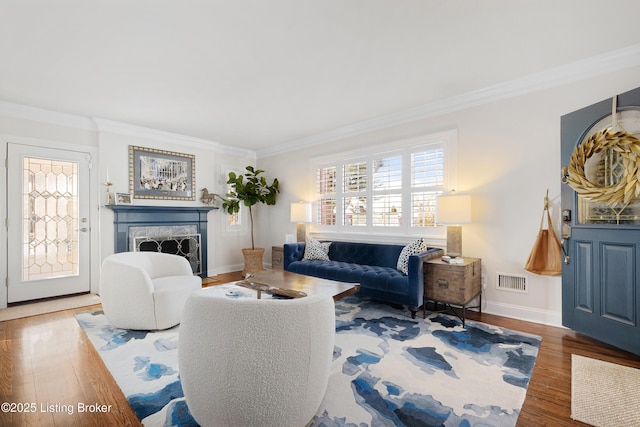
(613, 61)
(120, 128)
(95, 124)
(617, 60)
(26, 112)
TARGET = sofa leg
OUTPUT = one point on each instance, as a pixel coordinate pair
(413, 311)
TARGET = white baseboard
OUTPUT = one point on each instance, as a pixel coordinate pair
(224, 269)
(545, 317)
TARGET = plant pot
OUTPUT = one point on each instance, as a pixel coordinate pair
(252, 260)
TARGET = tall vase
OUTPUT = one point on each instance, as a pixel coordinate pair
(252, 260)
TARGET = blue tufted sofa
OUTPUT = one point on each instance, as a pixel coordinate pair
(371, 265)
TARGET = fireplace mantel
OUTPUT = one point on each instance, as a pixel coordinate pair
(127, 216)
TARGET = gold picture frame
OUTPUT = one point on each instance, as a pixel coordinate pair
(160, 174)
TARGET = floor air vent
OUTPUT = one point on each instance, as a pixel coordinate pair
(512, 282)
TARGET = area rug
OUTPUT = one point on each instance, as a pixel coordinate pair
(388, 370)
(604, 393)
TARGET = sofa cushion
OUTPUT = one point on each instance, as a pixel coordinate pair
(344, 271)
(411, 249)
(315, 250)
(365, 253)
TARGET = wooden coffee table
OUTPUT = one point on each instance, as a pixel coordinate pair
(307, 284)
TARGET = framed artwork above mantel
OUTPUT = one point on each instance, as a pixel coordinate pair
(160, 174)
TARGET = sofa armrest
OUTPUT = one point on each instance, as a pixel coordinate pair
(292, 252)
(416, 272)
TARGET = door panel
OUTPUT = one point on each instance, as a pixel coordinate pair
(600, 295)
(48, 229)
(618, 280)
(583, 260)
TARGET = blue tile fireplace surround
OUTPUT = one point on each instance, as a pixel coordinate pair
(181, 230)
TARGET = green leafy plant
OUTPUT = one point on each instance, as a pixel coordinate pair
(249, 189)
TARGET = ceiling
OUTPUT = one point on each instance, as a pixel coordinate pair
(258, 74)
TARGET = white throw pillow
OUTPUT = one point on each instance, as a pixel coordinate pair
(411, 249)
(315, 249)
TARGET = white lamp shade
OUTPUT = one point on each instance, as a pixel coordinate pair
(300, 212)
(453, 209)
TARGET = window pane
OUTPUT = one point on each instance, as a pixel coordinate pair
(50, 219)
(423, 208)
(387, 210)
(427, 168)
(387, 173)
(355, 211)
(355, 177)
(326, 180)
(234, 220)
(327, 211)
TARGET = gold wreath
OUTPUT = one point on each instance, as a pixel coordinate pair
(621, 142)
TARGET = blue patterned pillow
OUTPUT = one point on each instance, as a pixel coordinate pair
(315, 249)
(411, 249)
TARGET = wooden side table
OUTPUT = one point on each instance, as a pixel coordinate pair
(454, 285)
(277, 258)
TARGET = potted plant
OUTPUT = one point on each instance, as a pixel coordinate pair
(250, 189)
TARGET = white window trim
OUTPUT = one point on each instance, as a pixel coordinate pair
(386, 234)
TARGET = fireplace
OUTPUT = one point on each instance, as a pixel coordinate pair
(186, 245)
(176, 230)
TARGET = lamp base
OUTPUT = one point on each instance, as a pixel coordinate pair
(301, 232)
(454, 240)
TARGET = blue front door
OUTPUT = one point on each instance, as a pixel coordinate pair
(600, 277)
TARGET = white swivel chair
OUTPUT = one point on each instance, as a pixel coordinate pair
(255, 362)
(145, 290)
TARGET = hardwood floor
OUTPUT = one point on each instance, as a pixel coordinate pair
(48, 361)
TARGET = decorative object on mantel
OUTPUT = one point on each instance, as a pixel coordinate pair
(301, 214)
(250, 192)
(109, 199)
(123, 199)
(546, 255)
(160, 174)
(209, 199)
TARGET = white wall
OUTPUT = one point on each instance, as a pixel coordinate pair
(508, 156)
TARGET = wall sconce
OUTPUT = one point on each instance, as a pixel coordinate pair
(454, 210)
(301, 214)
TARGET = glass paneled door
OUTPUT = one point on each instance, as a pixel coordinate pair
(48, 222)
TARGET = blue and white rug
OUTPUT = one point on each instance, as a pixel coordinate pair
(388, 370)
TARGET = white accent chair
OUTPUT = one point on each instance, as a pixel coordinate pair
(255, 362)
(145, 290)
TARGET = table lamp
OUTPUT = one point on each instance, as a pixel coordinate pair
(454, 210)
(301, 214)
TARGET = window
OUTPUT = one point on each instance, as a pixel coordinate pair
(386, 202)
(385, 190)
(326, 189)
(354, 194)
(427, 180)
(233, 221)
